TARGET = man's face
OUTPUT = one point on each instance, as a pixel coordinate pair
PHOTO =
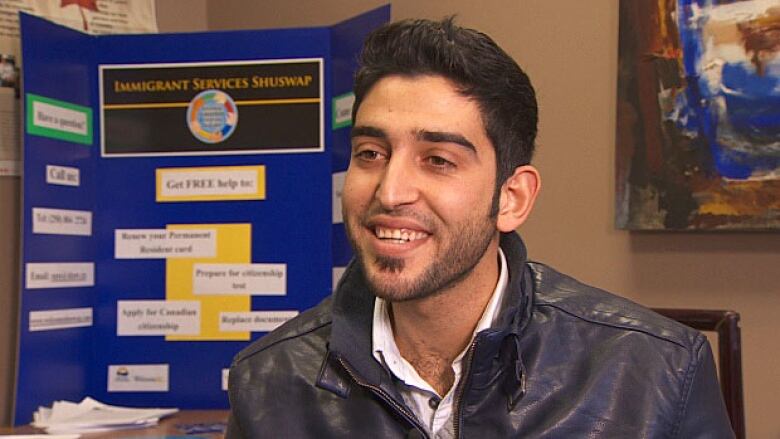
(418, 191)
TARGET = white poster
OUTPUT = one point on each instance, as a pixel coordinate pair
(337, 273)
(61, 221)
(164, 243)
(337, 188)
(240, 279)
(138, 378)
(63, 175)
(59, 274)
(10, 152)
(95, 17)
(254, 321)
(59, 118)
(157, 317)
(60, 319)
(10, 167)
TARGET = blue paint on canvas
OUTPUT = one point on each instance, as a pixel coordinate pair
(734, 104)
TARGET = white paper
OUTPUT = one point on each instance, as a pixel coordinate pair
(10, 156)
(61, 221)
(254, 321)
(337, 273)
(9, 168)
(59, 274)
(338, 189)
(113, 16)
(93, 416)
(138, 378)
(59, 118)
(225, 375)
(164, 243)
(158, 317)
(240, 279)
(63, 175)
(60, 319)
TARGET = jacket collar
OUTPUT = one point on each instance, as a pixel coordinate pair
(353, 306)
(516, 308)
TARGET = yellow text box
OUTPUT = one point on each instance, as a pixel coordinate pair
(221, 183)
(234, 246)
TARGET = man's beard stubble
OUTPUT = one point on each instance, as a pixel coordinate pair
(466, 245)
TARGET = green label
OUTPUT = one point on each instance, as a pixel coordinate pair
(342, 110)
(58, 119)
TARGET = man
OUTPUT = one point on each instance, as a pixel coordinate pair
(440, 327)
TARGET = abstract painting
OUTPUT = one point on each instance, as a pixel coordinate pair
(698, 115)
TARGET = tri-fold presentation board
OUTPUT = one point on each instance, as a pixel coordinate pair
(181, 198)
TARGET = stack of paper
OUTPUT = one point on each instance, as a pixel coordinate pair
(91, 416)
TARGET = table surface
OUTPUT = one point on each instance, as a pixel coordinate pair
(167, 427)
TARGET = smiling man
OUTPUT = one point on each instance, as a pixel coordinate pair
(440, 327)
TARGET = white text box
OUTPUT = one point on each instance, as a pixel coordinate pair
(59, 118)
(138, 378)
(164, 243)
(60, 319)
(337, 273)
(157, 317)
(240, 279)
(59, 274)
(253, 321)
(63, 175)
(337, 190)
(61, 221)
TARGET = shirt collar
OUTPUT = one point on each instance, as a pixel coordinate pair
(386, 351)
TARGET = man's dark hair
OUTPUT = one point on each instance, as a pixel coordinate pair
(481, 70)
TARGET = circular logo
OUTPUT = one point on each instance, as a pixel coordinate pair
(212, 116)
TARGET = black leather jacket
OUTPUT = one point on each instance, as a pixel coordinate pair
(565, 361)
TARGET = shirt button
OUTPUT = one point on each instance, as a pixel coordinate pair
(434, 403)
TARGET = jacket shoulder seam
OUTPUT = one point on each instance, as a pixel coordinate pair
(613, 325)
(674, 336)
(263, 347)
(690, 373)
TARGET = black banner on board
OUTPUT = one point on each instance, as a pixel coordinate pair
(212, 108)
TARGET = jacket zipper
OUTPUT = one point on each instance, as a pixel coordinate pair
(461, 388)
(410, 417)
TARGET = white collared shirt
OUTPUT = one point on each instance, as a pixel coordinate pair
(417, 393)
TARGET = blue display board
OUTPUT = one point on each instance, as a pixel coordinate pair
(180, 200)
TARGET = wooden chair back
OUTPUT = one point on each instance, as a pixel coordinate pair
(726, 324)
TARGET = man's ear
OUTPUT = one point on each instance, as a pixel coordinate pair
(518, 194)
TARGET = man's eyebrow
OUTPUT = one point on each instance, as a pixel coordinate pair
(443, 136)
(368, 131)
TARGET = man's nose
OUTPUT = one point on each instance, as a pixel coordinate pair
(399, 183)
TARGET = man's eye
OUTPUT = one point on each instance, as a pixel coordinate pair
(439, 162)
(368, 154)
